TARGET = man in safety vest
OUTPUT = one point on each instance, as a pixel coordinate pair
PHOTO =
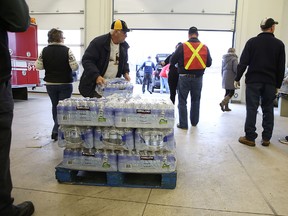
(191, 58)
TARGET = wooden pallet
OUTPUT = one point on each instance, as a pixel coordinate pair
(116, 179)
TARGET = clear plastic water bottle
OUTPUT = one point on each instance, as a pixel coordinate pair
(88, 138)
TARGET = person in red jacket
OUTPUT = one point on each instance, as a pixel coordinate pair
(164, 79)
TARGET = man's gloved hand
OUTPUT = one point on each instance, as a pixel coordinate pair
(237, 84)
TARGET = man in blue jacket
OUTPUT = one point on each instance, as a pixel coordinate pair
(264, 55)
(106, 57)
(149, 67)
(14, 17)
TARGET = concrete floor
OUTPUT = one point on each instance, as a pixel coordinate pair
(216, 174)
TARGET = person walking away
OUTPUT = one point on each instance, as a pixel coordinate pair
(228, 72)
(264, 55)
(59, 63)
(173, 76)
(192, 58)
(106, 57)
(14, 17)
(164, 79)
(149, 67)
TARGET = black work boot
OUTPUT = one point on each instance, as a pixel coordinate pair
(24, 209)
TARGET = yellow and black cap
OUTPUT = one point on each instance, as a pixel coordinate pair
(120, 25)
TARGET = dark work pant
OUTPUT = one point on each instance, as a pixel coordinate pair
(254, 93)
(6, 117)
(173, 82)
(147, 80)
(57, 93)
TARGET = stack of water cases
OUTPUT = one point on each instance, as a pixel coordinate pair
(117, 132)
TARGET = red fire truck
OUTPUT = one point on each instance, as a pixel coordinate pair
(23, 47)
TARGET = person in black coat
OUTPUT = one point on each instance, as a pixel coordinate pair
(264, 55)
(106, 57)
(172, 77)
(14, 17)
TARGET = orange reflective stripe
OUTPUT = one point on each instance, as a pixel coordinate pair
(195, 54)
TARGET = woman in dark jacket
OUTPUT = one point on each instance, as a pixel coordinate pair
(59, 63)
(229, 70)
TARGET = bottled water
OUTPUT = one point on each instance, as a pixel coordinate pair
(154, 140)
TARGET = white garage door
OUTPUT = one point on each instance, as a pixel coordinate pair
(64, 14)
(179, 14)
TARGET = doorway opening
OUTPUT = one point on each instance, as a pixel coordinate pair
(144, 43)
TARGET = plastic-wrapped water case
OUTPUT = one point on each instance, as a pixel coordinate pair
(114, 138)
(90, 160)
(85, 111)
(147, 162)
(154, 139)
(145, 113)
(117, 86)
(75, 137)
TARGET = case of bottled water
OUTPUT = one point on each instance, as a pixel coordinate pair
(75, 136)
(85, 111)
(114, 138)
(154, 139)
(117, 86)
(146, 162)
(145, 113)
(89, 160)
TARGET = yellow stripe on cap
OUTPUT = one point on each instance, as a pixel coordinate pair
(118, 25)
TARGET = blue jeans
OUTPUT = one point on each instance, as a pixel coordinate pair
(194, 86)
(6, 118)
(264, 95)
(56, 93)
(164, 84)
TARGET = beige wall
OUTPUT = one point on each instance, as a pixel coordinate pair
(98, 18)
(250, 14)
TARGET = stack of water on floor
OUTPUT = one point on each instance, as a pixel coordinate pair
(117, 133)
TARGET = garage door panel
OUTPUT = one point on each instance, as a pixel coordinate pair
(184, 6)
(166, 14)
(179, 21)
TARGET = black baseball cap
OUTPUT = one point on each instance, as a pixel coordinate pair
(267, 22)
(120, 25)
(193, 30)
